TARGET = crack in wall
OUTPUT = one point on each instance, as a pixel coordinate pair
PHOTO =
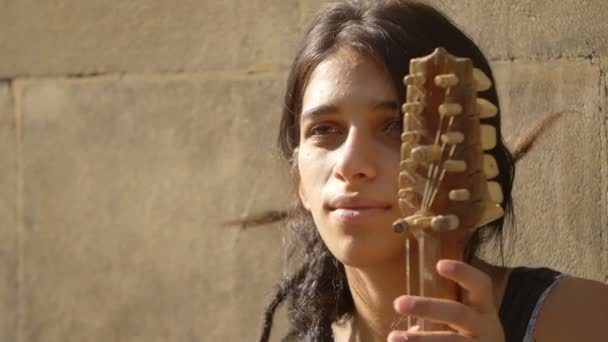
(603, 107)
(14, 163)
(534, 58)
(15, 91)
(595, 59)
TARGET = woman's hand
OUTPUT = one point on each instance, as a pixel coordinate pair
(474, 320)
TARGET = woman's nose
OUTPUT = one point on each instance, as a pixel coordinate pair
(355, 159)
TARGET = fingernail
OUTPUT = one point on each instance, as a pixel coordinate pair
(446, 267)
(393, 337)
(404, 304)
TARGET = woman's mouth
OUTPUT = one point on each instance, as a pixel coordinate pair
(351, 209)
(354, 214)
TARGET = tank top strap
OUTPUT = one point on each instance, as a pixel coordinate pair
(524, 296)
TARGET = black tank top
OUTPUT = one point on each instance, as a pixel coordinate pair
(523, 296)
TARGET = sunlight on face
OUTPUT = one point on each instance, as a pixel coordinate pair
(348, 158)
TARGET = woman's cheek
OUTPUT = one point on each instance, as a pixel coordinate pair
(310, 169)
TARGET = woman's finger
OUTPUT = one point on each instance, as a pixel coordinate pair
(456, 315)
(427, 336)
(477, 285)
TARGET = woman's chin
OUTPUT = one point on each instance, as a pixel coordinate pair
(361, 252)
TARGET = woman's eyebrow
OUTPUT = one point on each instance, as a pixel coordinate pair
(328, 109)
(320, 110)
(387, 105)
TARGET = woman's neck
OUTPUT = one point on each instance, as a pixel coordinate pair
(374, 289)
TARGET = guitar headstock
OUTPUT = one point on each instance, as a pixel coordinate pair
(445, 181)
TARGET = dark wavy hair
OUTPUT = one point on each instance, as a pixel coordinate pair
(392, 32)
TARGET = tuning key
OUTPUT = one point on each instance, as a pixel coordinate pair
(417, 79)
(450, 109)
(408, 165)
(415, 94)
(482, 82)
(446, 80)
(452, 138)
(422, 221)
(412, 107)
(443, 223)
(488, 137)
(455, 165)
(490, 167)
(426, 153)
(491, 213)
(401, 226)
(460, 195)
(495, 192)
(406, 206)
(485, 108)
(411, 122)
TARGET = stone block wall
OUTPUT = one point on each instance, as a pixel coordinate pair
(131, 130)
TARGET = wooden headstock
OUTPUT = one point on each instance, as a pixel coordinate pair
(445, 186)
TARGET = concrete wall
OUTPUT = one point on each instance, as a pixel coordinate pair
(130, 130)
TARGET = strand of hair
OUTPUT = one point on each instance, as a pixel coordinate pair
(258, 219)
(525, 143)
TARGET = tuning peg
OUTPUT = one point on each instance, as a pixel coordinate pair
(408, 165)
(413, 182)
(422, 221)
(482, 82)
(488, 137)
(407, 194)
(412, 107)
(411, 137)
(455, 165)
(443, 223)
(485, 108)
(401, 226)
(417, 79)
(406, 206)
(426, 154)
(490, 167)
(407, 178)
(411, 122)
(452, 138)
(450, 109)
(446, 80)
(415, 94)
(491, 213)
(495, 192)
(460, 195)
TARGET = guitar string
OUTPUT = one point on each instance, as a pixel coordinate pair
(434, 181)
(431, 174)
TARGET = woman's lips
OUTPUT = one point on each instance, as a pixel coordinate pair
(357, 214)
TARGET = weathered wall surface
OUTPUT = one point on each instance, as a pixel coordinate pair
(130, 131)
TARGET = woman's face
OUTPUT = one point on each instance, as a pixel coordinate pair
(348, 158)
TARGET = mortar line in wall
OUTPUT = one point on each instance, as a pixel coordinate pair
(240, 74)
(220, 75)
(17, 112)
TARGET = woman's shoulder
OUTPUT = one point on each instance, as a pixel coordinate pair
(541, 304)
(575, 309)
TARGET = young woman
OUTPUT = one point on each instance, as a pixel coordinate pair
(340, 133)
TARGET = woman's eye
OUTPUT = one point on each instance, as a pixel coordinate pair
(394, 126)
(322, 130)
